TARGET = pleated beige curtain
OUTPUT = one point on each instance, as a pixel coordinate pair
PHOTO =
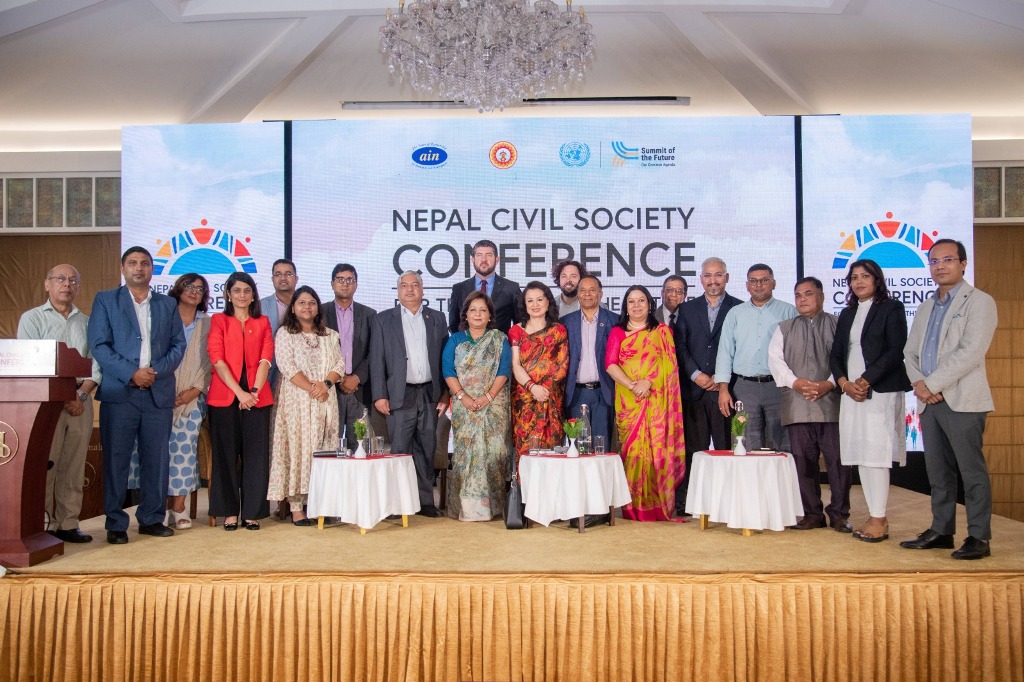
(526, 627)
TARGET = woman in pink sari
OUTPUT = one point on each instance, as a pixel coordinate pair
(641, 357)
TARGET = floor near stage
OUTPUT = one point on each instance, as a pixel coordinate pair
(441, 546)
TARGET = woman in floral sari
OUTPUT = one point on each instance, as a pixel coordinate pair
(641, 357)
(476, 363)
(540, 360)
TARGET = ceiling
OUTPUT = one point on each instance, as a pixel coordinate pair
(75, 71)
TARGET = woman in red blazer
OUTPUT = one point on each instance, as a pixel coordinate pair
(241, 348)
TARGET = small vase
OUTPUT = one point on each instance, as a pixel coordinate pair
(360, 452)
(739, 449)
(572, 451)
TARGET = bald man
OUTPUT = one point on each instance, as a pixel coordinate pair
(60, 320)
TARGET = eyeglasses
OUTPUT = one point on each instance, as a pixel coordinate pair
(61, 279)
(945, 260)
(344, 280)
(195, 289)
(289, 274)
(677, 292)
(759, 281)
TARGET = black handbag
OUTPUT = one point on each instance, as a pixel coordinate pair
(515, 509)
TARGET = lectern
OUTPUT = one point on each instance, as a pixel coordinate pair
(36, 379)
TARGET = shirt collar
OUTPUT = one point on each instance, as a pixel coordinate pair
(489, 280)
(49, 306)
(949, 296)
(406, 311)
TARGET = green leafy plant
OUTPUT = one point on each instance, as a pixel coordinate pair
(573, 427)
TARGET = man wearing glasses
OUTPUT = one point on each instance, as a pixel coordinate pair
(352, 322)
(673, 293)
(275, 305)
(60, 320)
(742, 364)
(945, 358)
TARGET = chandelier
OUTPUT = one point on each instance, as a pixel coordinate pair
(487, 53)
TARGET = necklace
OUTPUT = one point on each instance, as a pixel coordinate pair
(313, 342)
(636, 326)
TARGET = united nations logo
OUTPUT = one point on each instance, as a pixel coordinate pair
(574, 154)
(8, 443)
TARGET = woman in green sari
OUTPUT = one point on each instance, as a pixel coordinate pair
(477, 362)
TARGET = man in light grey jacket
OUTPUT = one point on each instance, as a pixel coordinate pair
(945, 359)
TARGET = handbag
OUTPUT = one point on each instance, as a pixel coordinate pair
(515, 509)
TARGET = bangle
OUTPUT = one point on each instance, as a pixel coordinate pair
(490, 398)
(459, 396)
(530, 384)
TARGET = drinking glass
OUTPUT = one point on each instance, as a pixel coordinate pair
(598, 445)
(378, 445)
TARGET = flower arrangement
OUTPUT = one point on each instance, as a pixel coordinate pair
(360, 428)
(739, 420)
(573, 428)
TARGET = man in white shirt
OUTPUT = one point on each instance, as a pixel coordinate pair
(60, 320)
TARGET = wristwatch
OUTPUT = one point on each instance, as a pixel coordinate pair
(329, 383)
(83, 396)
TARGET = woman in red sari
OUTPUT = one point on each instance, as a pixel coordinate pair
(540, 358)
(641, 357)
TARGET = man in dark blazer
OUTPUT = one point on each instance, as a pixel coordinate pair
(590, 385)
(697, 332)
(504, 293)
(353, 390)
(138, 340)
(407, 384)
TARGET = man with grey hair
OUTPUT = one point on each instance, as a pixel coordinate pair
(406, 381)
(60, 320)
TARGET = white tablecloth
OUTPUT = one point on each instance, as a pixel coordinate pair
(755, 492)
(363, 491)
(559, 487)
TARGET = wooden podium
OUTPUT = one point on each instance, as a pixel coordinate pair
(36, 379)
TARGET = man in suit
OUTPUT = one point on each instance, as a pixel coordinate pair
(352, 322)
(407, 385)
(673, 293)
(587, 381)
(504, 293)
(285, 278)
(742, 364)
(567, 275)
(138, 340)
(945, 359)
(697, 331)
(60, 320)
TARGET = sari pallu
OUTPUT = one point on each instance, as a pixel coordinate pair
(480, 461)
(650, 430)
(545, 357)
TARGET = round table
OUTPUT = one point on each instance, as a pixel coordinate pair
(752, 492)
(559, 487)
(363, 491)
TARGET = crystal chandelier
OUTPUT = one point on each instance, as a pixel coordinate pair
(487, 53)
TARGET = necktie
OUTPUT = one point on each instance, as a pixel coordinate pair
(483, 287)
(672, 320)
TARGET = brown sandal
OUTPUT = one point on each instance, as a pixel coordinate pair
(872, 532)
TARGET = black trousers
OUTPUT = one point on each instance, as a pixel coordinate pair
(809, 440)
(240, 460)
(702, 422)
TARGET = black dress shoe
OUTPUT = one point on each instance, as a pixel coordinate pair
(117, 537)
(430, 511)
(157, 530)
(973, 548)
(929, 540)
(74, 535)
(841, 525)
(809, 523)
(596, 520)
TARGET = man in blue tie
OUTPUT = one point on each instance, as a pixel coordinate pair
(138, 340)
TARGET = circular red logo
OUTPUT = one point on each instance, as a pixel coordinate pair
(503, 155)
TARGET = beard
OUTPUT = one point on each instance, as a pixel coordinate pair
(568, 290)
(484, 274)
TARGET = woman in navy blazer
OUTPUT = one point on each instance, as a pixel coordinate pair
(241, 349)
(867, 363)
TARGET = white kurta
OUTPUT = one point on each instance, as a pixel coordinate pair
(871, 433)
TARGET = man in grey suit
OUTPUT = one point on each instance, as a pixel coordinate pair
(504, 293)
(352, 322)
(274, 306)
(138, 340)
(697, 331)
(673, 293)
(407, 384)
(945, 359)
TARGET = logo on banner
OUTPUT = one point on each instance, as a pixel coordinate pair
(503, 155)
(624, 154)
(204, 250)
(890, 243)
(431, 156)
(574, 154)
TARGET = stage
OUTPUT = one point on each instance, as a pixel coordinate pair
(442, 600)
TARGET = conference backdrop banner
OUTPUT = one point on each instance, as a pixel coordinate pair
(206, 199)
(885, 188)
(633, 199)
